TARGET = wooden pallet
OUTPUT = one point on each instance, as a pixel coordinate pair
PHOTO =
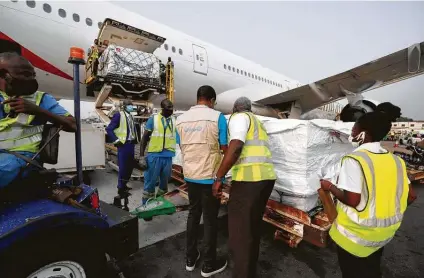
(293, 225)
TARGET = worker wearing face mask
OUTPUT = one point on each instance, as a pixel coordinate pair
(123, 133)
(372, 192)
(160, 133)
(23, 112)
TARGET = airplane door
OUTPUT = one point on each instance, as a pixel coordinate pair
(200, 57)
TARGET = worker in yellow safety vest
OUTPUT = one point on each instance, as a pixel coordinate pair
(372, 193)
(122, 132)
(253, 179)
(23, 112)
(93, 56)
(159, 134)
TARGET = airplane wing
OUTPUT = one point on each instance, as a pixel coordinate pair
(403, 64)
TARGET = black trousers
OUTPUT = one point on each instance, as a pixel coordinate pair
(202, 201)
(356, 267)
(246, 207)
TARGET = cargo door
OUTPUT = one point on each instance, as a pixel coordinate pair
(200, 57)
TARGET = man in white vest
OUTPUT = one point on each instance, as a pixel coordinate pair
(23, 112)
(202, 136)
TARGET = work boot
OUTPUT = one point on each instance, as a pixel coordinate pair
(161, 192)
(191, 262)
(123, 192)
(212, 268)
(126, 187)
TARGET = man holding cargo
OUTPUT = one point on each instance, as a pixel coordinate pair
(253, 179)
(372, 193)
(123, 133)
(160, 133)
(202, 136)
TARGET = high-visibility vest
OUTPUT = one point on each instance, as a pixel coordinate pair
(17, 134)
(255, 161)
(94, 52)
(361, 233)
(122, 130)
(161, 138)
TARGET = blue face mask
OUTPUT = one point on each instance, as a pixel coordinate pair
(130, 108)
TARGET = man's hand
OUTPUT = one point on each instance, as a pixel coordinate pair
(326, 185)
(217, 189)
(20, 105)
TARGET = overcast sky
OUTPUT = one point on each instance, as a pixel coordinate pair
(306, 41)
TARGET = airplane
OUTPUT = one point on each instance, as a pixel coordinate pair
(45, 31)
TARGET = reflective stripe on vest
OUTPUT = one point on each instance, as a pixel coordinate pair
(255, 161)
(363, 232)
(121, 131)
(162, 138)
(17, 134)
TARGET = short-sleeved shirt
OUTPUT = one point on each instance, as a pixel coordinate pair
(351, 177)
(239, 126)
(48, 102)
(222, 139)
(150, 127)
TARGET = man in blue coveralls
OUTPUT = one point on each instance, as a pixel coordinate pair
(23, 112)
(123, 133)
(160, 133)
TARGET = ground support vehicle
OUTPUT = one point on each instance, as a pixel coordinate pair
(127, 69)
(53, 225)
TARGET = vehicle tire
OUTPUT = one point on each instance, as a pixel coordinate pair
(58, 255)
(400, 142)
(409, 142)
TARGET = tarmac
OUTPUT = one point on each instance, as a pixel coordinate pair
(162, 244)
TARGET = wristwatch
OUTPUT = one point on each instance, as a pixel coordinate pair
(216, 178)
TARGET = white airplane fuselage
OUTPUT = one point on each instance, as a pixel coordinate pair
(49, 29)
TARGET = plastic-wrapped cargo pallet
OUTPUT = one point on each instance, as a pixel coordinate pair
(116, 60)
(302, 153)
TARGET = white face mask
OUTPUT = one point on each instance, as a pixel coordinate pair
(358, 139)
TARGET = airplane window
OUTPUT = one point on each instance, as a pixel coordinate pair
(241, 72)
(229, 68)
(88, 21)
(225, 66)
(14, 1)
(62, 13)
(100, 24)
(234, 70)
(30, 4)
(47, 8)
(166, 46)
(248, 74)
(245, 73)
(76, 17)
(180, 51)
(197, 57)
(238, 71)
(173, 49)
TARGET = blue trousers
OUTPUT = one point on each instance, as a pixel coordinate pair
(125, 163)
(10, 166)
(158, 170)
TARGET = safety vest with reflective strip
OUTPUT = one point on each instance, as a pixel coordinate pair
(161, 138)
(94, 52)
(17, 134)
(255, 161)
(361, 233)
(122, 130)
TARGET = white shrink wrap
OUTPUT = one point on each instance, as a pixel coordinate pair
(303, 152)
